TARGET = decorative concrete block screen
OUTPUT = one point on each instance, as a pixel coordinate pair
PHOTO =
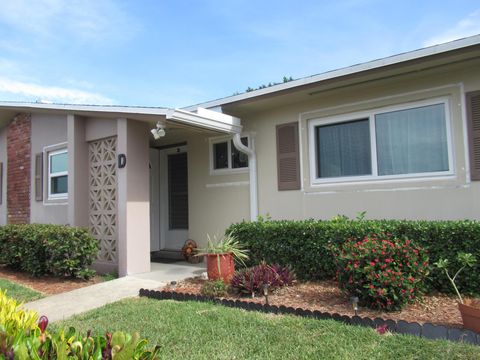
(103, 197)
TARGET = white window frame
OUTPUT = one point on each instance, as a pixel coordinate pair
(51, 175)
(370, 115)
(229, 169)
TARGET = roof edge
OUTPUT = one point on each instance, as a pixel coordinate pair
(349, 70)
(84, 108)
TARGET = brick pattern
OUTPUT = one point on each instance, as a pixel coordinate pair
(18, 170)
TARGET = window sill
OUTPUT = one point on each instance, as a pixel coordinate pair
(56, 201)
(229, 171)
(395, 179)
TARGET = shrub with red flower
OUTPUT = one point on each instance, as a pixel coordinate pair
(384, 272)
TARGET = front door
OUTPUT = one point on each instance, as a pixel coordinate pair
(173, 198)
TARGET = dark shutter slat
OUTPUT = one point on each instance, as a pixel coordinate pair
(288, 157)
(39, 177)
(473, 116)
(1, 183)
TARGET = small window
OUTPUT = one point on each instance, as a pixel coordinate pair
(220, 155)
(58, 174)
(226, 157)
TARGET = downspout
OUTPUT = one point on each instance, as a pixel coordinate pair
(252, 169)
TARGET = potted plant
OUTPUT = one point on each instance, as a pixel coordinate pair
(469, 309)
(220, 255)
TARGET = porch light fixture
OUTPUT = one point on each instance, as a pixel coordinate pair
(159, 131)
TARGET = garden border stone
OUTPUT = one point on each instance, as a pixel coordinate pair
(427, 330)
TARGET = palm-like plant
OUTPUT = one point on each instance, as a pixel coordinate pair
(228, 244)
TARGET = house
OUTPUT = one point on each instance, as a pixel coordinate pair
(397, 137)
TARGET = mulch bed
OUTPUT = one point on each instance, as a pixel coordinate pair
(325, 296)
(47, 285)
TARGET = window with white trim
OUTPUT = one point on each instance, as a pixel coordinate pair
(225, 157)
(58, 174)
(411, 140)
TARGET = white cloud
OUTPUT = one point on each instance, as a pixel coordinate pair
(85, 19)
(32, 92)
(468, 26)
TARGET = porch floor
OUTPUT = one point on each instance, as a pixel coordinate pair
(65, 305)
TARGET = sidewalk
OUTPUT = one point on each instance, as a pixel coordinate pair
(63, 306)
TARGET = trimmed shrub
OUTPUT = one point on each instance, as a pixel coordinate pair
(303, 245)
(384, 272)
(48, 249)
(251, 280)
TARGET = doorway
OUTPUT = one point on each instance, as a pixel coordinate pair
(169, 196)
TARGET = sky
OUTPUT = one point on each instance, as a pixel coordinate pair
(177, 53)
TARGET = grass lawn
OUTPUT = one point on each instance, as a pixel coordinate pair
(19, 292)
(191, 330)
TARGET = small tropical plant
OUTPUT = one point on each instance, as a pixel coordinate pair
(386, 273)
(13, 318)
(252, 280)
(23, 337)
(465, 260)
(227, 244)
(214, 288)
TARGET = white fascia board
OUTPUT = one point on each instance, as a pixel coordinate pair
(114, 109)
(370, 65)
(206, 119)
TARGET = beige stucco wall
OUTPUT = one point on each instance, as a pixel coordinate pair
(47, 130)
(216, 201)
(434, 198)
(3, 159)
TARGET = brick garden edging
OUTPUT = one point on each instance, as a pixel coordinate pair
(427, 330)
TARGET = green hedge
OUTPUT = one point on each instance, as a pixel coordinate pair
(48, 249)
(302, 244)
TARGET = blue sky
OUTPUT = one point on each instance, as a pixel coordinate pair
(179, 53)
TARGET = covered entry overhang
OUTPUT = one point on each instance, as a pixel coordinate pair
(127, 215)
(201, 118)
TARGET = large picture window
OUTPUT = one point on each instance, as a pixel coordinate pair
(58, 174)
(403, 141)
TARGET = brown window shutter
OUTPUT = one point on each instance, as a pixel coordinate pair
(288, 157)
(1, 183)
(39, 177)
(473, 119)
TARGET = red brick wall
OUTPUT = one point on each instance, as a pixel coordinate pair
(18, 170)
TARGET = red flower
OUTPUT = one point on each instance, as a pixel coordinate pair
(382, 329)
(42, 323)
(372, 263)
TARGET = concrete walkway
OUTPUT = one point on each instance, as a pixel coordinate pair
(62, 306)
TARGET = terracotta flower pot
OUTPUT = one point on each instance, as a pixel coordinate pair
(220, 266)
(470, 312)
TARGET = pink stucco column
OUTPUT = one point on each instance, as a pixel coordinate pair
(133, 198)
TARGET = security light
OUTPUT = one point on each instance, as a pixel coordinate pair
(159, 131)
